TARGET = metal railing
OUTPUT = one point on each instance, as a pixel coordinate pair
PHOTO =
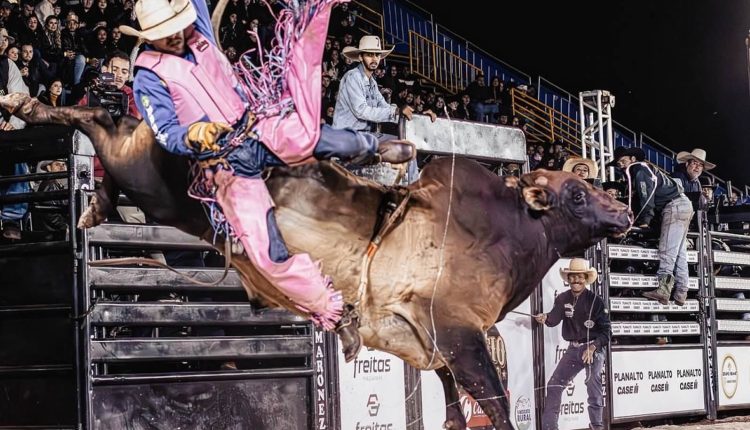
(443, 68)
(373, 19)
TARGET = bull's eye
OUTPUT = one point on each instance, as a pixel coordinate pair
(579, 198)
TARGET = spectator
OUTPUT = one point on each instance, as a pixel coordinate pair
(328, 91)
(102, 15)
(44, 9)
(615, 189)
(6, 10)
(439, 107)
(465, 109)
(85, 12)
(334, 67)
(32, 70)
(12, 214)
(51, 47)
(5, 41)
(584, 168)
(53, 221)
(233, 55)
(231, 33)
(118, 42)
(97, 47)
(32, 34)
(653, 194)
(692, 166)
(53, 96)
(360, 106)
(485, 107)
(74, 50)
(12, 53)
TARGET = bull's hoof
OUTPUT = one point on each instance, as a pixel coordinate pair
(396, 151)
(91, 217)
(348, 331)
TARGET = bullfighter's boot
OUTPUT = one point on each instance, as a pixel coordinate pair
(663, 292)
(348, 330)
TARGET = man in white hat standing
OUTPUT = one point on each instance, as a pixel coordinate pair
(586, 326)
(360, 105)
(190, 96)
(692, 165)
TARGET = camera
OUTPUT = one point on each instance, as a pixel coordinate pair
(103, 92)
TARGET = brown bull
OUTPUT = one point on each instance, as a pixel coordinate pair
(470, 248)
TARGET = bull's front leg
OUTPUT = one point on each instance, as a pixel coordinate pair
(454, 416)
(469, 360)
(101, 204)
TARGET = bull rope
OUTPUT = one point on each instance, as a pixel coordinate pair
(441, 261)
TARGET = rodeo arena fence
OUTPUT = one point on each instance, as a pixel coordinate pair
(90, 347)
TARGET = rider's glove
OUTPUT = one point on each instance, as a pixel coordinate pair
(202, 136)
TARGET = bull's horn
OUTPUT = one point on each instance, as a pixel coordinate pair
(541, 181)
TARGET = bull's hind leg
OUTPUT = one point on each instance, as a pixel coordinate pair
(468, 358)
(454, 417)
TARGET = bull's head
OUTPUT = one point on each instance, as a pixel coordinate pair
(576, 214)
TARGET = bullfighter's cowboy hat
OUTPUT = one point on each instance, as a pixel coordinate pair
(572, 162)
(622, 151)
(697, 154)
(161, 18)
(369, 44)
(579, 265)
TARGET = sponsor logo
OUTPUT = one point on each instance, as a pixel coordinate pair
(523, 413)
(729, 376)
(320, 382)
(475, 416)
(371, 367)
(373, 405)
(373, 408)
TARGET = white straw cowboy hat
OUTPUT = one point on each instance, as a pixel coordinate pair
(579, 265)
(572, 162)
(696, 154)
(4, 32)
(369, 44)
(160, 18)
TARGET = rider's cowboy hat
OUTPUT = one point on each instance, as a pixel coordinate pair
(622, 151)
(369, 44)
(572, 162)
(696, 154)
(579, 265)
(160, 18)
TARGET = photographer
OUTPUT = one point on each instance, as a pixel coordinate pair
(108, 90)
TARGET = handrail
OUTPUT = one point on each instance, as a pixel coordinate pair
(378, 21)
(476, 48)
(425, 56)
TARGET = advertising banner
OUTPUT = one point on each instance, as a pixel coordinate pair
(733, 369)
(574, 405)
(510, 345)
(655, 382)
(371, 390)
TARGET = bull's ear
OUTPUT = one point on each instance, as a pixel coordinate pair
(536, 198)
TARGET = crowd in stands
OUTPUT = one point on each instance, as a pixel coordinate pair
(61, 49)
